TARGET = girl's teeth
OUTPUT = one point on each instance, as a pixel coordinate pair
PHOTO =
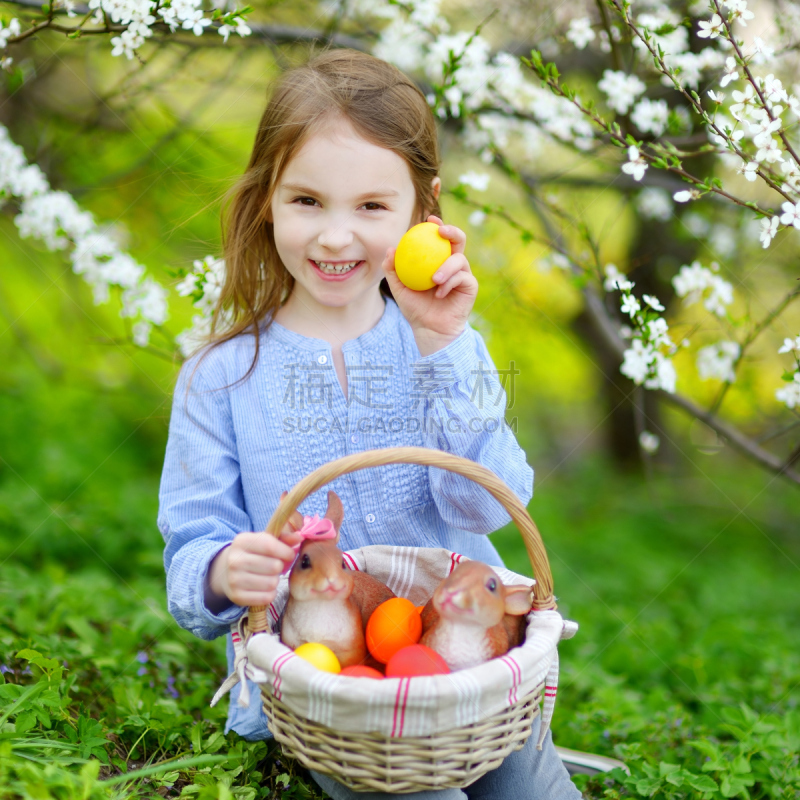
(336, 268)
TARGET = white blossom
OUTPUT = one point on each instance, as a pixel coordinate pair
(686, 195)
(665, 376)
(148, 299)
(653, 302)
(636, 361)
(636, 166)
(790, 346)
(476, 180)
(749, 170)
(695, 282)
(629, 305)
(654, 203)
(662, 18)
(56, 219)
(650, 116)
(731, 72)
(649, 442)
(7, 32)
(477, 218)
(718, 361)
(712, 29)
(580, 32)
(762, 52)
(615, 280)
(769, 227)
(658, 333)
(745, 101)
(791, 214)
(620, 89)
(141, 333)
(790, 394)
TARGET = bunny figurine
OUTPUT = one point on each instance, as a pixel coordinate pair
(473, 616)
(328, 603)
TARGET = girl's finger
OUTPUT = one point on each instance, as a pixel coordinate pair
(456, 263)
(253, 598)
(254, 583)
(463, 279)
(456, 237)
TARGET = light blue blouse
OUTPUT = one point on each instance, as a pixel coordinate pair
(233, 447)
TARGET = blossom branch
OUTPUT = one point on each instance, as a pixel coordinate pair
(695, 103)
(753, 82)
(759, 328)
(616, 137)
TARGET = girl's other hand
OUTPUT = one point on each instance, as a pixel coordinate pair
(438, 315)
(246, 572)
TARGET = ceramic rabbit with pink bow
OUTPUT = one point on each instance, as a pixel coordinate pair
(328, 603)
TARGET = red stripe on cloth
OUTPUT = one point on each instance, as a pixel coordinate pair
(275, 615)
(455, 558)
(277, 667)
(550, 692)
(516, 678)
(400, 707)
(351, 562)
(236, 638)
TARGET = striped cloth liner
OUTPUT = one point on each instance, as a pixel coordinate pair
(394, 707)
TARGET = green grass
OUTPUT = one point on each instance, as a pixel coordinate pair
(685, 665)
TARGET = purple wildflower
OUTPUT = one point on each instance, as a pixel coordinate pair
(141, 671)
(171, 690)
(142, 657)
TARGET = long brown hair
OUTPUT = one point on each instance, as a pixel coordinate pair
(383, 105)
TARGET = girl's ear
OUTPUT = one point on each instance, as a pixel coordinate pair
(436, 185)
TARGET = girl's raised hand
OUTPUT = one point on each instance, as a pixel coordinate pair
(438, 315)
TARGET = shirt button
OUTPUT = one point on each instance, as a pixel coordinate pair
(322, 360)
(370, 518)
(354, 438)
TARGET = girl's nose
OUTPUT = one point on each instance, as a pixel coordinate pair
(336, 236)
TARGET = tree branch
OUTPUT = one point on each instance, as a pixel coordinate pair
(279, 34)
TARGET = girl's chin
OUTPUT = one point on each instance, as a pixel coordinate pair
(333, 278)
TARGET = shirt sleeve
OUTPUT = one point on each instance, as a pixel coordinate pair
(461, 407)
(201, 505)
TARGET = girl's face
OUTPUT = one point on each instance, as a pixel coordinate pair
(341, 202)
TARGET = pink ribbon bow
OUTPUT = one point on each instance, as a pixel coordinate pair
(313, 528)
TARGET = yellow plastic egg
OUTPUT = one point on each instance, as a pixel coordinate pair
(420, 253)
(319, 656)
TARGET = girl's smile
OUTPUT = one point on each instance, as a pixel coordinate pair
(335, 270)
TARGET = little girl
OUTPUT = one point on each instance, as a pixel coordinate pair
(325, 353)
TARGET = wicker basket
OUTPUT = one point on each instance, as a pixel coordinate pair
(404, 764)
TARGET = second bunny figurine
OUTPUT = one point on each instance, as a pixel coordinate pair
(473, 616)
(329, 603)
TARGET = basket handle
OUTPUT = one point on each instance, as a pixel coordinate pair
(542, 590)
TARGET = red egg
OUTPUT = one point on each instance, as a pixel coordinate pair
(415, 660)
(362, 671)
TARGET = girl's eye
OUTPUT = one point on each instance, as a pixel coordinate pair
(491, 585)
(373, 206)
(305, 561)
(305, 201)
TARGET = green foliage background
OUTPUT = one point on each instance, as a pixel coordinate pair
(683, 580)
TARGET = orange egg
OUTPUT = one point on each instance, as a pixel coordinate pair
(415, 660)
(393, 625)
(362, 671)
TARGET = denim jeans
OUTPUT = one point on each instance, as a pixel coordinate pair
(527, 774)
